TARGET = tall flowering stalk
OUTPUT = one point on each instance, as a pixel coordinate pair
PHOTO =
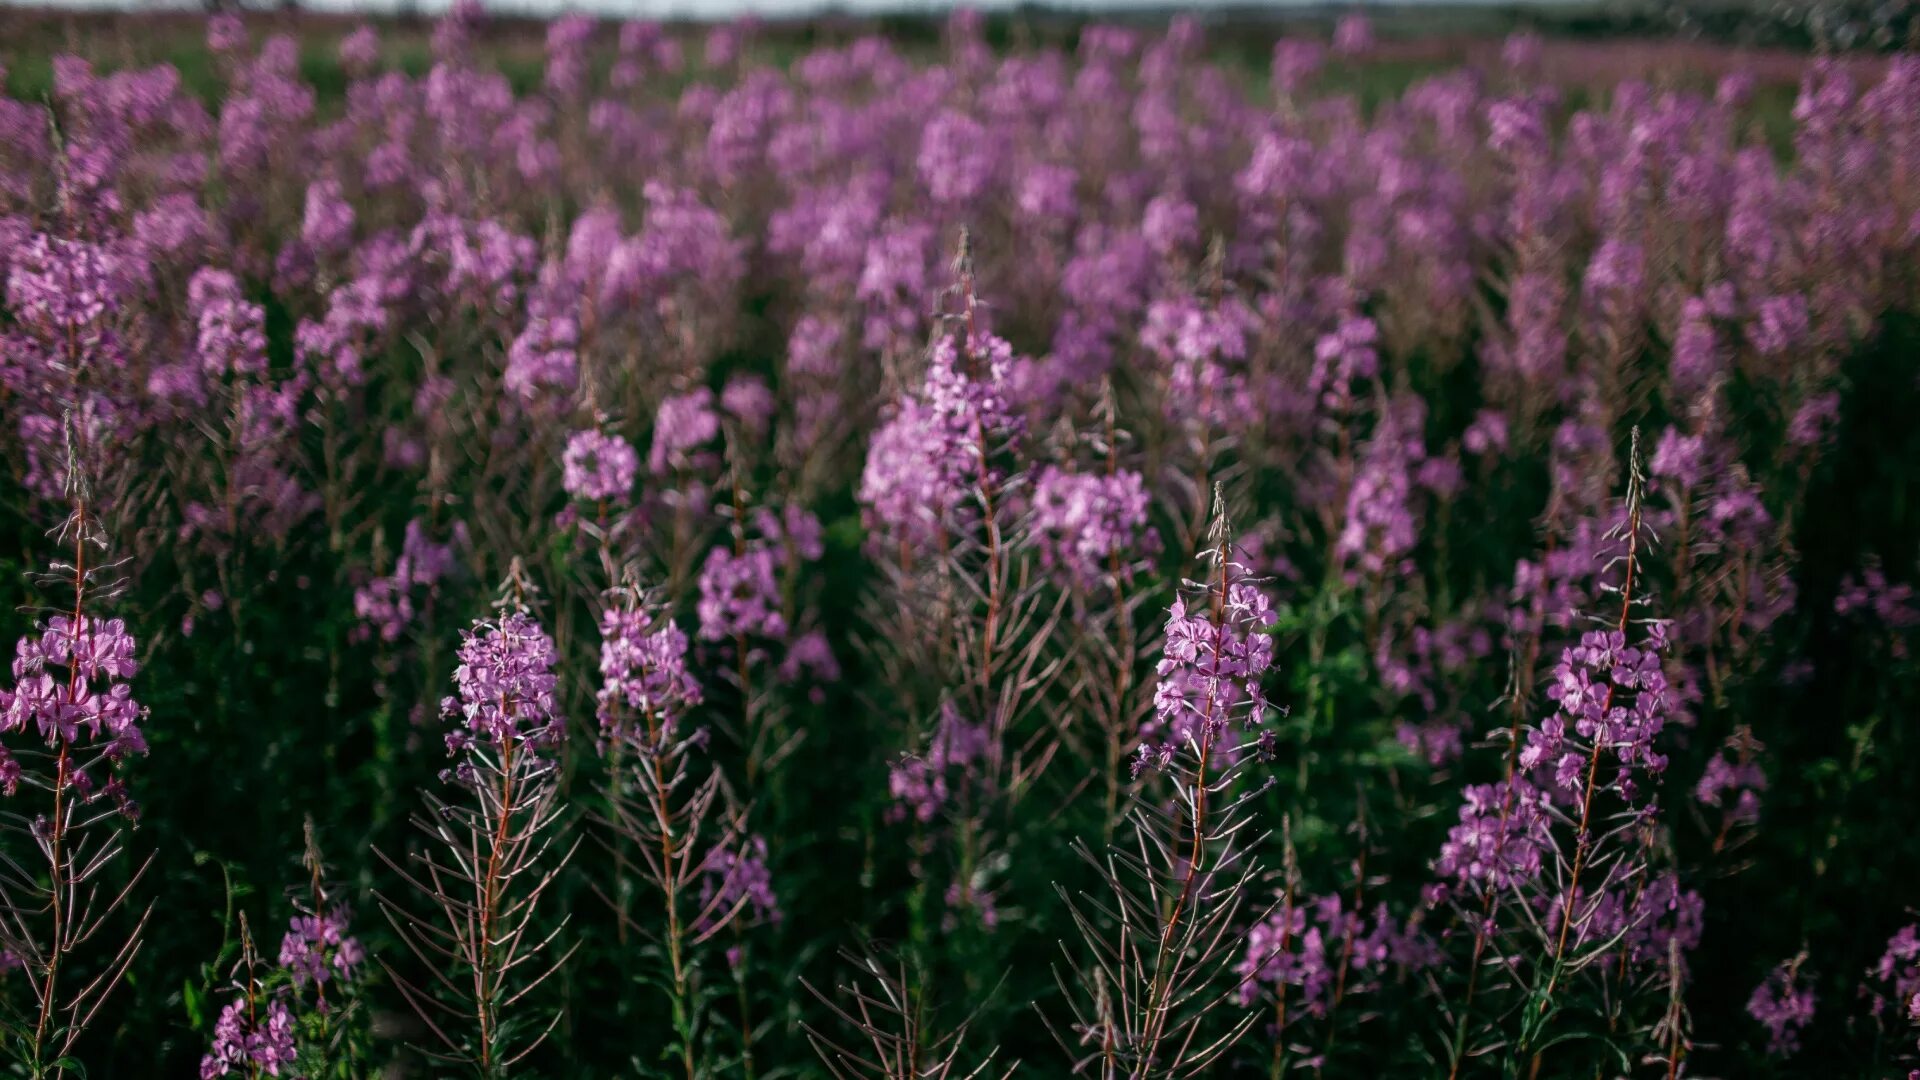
(1614, 697)
(750, 603)
(1092, 531)
(74, 723)
(1157, 995)
(1600, 909)
(323, 965)
(969, 622)
(493, 851)
(254, 1035)
(679, 829)
(302, 1017)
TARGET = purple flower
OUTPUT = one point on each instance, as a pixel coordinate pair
(1869, 595)
(1894, 982)
(684, 423)
(1779, 324)
(1487, 434)
(1615, 698)
(1304, 947)
(1501, 839)
(1090, 525)
(232, 337)
(1783, 1003)
(599, 466)
(1353, 35)
(506, 688)
(966, 391)
(810, 656)
(794, 528)
(643, 667)
(70, 687)
(737, 883)
(922, 785)
(386, 605)
(905, 492)
(957, 158)
(317, 948)
(813, 349)
(1733, 782)
(1296, 63)
(545, 355)
(226, 33)
(1211, 666)
(1341, 359)
(360, 50)
(1045, 195)
(327, 225)
(567, 41)
(750, 402)
(1813, 422)
(1521, 50)
(1170, 224)
(1680, 458)
(1205, 347)
(1696, 356)
(1382, 526)
(250, 1036)
(740, 594)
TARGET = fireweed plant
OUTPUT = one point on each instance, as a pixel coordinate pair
(672, 823)
(847, 413)
(493, 854)
(303, 1012)
(1154, 993)
(73, 724)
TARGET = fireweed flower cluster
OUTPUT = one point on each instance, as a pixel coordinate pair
(284, 1022)
(317, 949)
(1500, 842)
(599, 467)
(674, 829)
(71, 702)
(685, 423)
(1783, 1004)
(1192, 881)
(506, 686)
(1210, 670)
(966, 393)
(921, 785)
(289, 1020)
(1892, 988)
(1318, 945)
(904, 493)
(646, 686)
(1890, 607)
(1734, 783)
(251, 1039)
(1614, 697)
(739, 594)
(738, 883)
(71, 301)
(1558, 855)
(70, 690)
(387, 605)
(1087, 523)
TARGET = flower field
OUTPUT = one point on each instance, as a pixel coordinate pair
(638, 551)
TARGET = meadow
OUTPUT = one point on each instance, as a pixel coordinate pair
(997, 548)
